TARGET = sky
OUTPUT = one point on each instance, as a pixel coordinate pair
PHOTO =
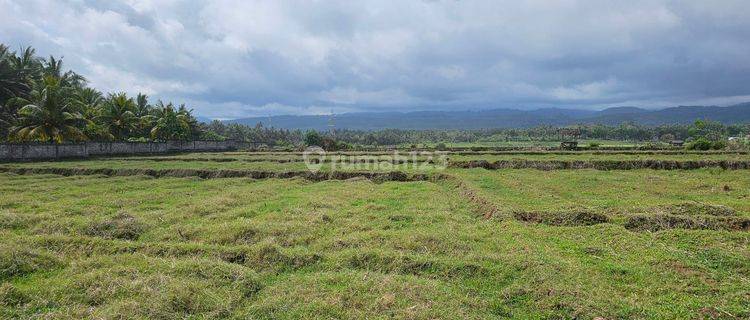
(237, 58)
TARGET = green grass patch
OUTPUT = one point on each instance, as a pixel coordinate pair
(95, 246)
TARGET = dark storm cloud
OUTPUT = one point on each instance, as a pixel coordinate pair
(239, 58)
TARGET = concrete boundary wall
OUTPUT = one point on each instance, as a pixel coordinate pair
(39, 151)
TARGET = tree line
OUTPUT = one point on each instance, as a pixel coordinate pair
(41, 101)
(711, 131)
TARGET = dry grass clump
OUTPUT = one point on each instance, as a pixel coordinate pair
(413, 265)
(121, 226)
(270, 258)
(10, 296)
(19, 260)
(562, 218)
(14, 220)
(656, 222)
(696, 209)
(690, 215)
(246, 235)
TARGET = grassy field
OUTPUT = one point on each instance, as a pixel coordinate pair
(92, 246)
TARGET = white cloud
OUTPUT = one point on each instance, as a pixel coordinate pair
(113, 80)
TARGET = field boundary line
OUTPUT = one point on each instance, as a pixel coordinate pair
(603, 164)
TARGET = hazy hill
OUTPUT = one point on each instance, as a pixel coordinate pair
(507, 118)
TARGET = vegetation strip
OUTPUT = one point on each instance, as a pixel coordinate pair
(214, 174)
(289, 160)
(602, 164)
(637, 222)
(598, 152)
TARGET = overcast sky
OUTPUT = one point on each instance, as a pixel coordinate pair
(230, 59)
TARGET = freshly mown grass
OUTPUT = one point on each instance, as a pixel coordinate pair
(138, 247)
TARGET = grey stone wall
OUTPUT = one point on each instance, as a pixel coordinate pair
(39, 151)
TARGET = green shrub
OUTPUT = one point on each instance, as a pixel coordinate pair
(700, 144)
(313, 138)
(739, 145)
(718, 145)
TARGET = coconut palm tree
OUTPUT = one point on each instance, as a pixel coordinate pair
(143, 111)
(7, 120)
(118, 115)
(169, 123)
(29, 63)
(49, 115)
(54, 67)
(89, 98)
(89, 102)
(142, 108)
(194, 132)
(13, 80)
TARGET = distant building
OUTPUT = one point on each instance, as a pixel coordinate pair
(677, 143)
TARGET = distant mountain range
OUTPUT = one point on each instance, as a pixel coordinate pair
(506, 118)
